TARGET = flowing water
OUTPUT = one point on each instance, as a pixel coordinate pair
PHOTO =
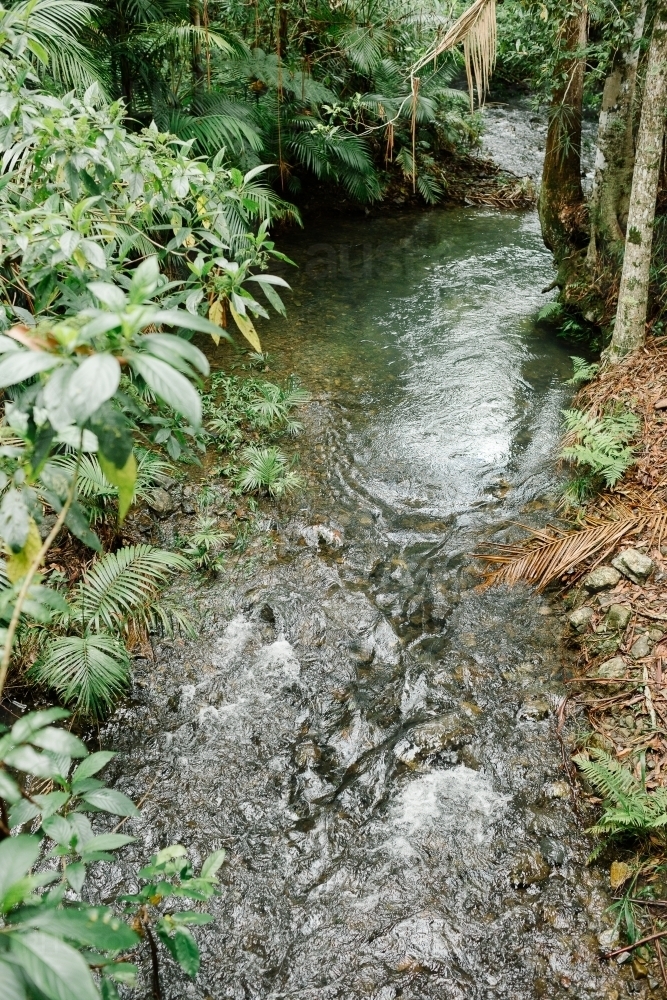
(369, 736)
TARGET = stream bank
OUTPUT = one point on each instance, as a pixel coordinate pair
(371, 738)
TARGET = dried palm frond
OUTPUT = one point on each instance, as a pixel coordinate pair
(476, 28)
(548, 555)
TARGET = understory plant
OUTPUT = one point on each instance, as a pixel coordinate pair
(53, 943)
(600, 447)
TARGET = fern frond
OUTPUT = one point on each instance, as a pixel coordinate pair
(87, 671)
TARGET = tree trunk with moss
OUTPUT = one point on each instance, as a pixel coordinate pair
(629, 328)
(561, 196)
(615, 154)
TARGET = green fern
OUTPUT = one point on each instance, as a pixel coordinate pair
(628, 808)
(601, 443)
(583, 371)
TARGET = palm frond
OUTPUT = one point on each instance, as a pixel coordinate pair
(86, 671)
(120, 586)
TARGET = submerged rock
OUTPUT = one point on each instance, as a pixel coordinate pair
(445, 733)
(529, 869)
(602, 578)
(634, 564)
(552, 851)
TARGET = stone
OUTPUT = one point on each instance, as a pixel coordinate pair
(634, 564)
(618, 617)
(552, 852)
(602, 578)
(535, 708)
(556, 790)
(446, 733)
(656, 634)
(610, 670)
(641, 647)
(580, 619)
(529, 869)
(600, 742)
(160, 502)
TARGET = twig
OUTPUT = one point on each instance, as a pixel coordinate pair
(155, 964)
(636, 944)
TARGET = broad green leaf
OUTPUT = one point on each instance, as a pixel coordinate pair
(17, 856)
(169, 853)
(122, 972)
(124, 479)
(188, 321)
(59, 741)
(20, 365)
(114, 434)
(53, 966)
(111, 801)
(189, 917)
(9, 790)
(94, 254)
(77, 522)
(28, 724)
(58, 829)
(93, 383)
(167, 383)
(105, 842)
(108, 990)
(246, 327)
(91, 765)
(12, 986)
(27, 759)
(186, 951)
(50, 803)
(212, 864)
(22, 812)
(14, 520)
(18, 563)
(170, 348)
(94, 927)
(75, 874)
(111, 295)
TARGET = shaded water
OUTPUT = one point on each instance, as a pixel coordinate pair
(369, 737)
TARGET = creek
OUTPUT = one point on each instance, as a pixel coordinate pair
(369, 735)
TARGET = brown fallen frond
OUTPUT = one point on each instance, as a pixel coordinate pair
(546, 558)
(476, 28)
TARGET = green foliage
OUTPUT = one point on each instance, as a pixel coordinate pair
(583, 371)
(601, 444)
(53, 943)
(205, 544)
(266, 469)
(628, 809)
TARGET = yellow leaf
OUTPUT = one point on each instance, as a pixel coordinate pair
(124, 479)
(244, 324)
(19, 563)
(619, 873)
(216, 314)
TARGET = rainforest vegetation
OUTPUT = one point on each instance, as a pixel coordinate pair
(150, 149)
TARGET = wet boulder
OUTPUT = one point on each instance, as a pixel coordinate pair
(602, 578)
(580, 619)
(529, 868)
(445, 733)
(160, 502)
(552, 851)
(634, 564)
(534, 708)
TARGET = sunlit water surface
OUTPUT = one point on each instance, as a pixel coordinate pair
(369, 857)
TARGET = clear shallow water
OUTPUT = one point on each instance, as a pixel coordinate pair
(366, 734)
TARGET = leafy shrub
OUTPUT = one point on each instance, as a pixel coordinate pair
(601, 444)
(267, 469)
(628, 808)
(53, 944)
(583, 371)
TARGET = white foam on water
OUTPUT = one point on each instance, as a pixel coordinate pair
(279, 657)
(458, 800)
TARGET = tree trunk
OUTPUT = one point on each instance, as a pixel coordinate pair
(561, 195)
(629, 328)
(615, 153)
(197, 65)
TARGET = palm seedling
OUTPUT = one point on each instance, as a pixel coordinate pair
(87, 662)
(266, 470)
